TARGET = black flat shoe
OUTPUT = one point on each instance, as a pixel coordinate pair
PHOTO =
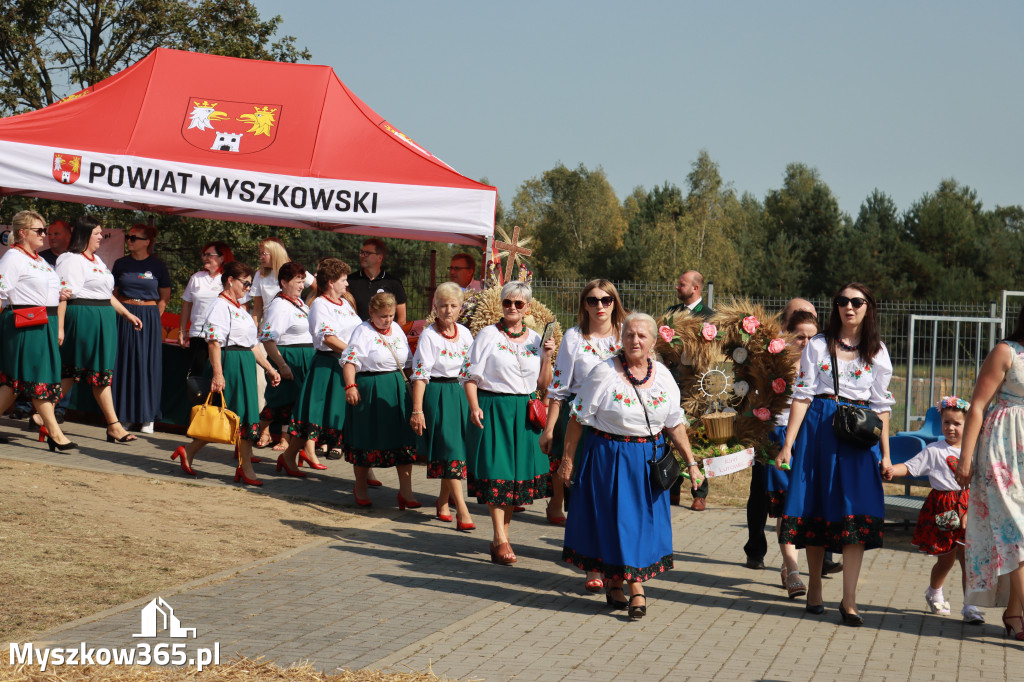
(816, 609)
(637, 612)
(848, 618)
(615, 603)
(756, 564)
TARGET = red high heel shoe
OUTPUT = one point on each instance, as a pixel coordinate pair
(180, 452)
(240, 476)
(1010, 631)
(459, 525)
(404, 504)
(254, 459)
(554, 520)
(303, 457)
(361, 503)
(281, 465)
(43, 434)
(447, 518)
(374, 483)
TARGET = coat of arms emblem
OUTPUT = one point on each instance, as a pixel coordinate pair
(230, 127)
(66, 167)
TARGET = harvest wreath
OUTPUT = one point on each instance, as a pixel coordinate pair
(734, 373)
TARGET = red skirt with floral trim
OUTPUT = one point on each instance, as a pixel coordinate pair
(927, 534)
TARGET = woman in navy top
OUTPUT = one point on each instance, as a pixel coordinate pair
(142, 284)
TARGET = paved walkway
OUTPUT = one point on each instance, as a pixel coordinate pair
(402, 590)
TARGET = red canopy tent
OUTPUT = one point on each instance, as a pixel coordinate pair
(204, 136)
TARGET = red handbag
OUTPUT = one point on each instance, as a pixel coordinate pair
(30, 317)
(538, 413)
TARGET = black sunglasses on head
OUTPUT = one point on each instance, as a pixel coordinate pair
(605, 301)
(856, 302)
(508, 303)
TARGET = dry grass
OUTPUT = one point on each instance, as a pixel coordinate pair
(78, 542)
(238, 670)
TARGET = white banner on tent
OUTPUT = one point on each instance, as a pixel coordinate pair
(211, 191)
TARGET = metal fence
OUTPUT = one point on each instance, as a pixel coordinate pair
(946, 353)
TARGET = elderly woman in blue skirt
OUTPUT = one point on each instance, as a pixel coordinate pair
(620, 528)
(506, 365)
(143, 285)
(30, 291)
(231, 335)
(377, 431)
(88, 325)
(440, 413)
(319, 411)
(596, 337)
(835, 498)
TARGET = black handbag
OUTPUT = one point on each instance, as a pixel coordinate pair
(665, 468)
(196, 388)
(853, 424)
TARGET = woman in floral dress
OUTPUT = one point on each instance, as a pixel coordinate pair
(835, 498)
(596, 337)
(995, 515)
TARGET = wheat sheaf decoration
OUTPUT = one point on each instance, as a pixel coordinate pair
(733, 363)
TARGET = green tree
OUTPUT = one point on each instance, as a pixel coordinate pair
(52, 48)
(575, 221)
(875, 250)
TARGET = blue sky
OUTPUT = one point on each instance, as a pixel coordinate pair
(890, 95)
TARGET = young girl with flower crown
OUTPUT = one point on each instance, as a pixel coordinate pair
(940, 526)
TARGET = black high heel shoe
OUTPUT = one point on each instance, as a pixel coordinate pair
(615, 603)
(849, 618)
(54, 445)
(637, 612)
(126, 438)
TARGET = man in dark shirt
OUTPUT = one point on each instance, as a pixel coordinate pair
(371, 279)
(59, 234)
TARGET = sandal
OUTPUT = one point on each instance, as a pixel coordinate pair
(594, 584)
(281, 446)
(502, 554)
(612, 601)
(794, 586)
(637, 612)
(264, 440)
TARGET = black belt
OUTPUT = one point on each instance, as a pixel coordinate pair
(50, 310)
(332, 353)
(624, 439)
(840, 399)
(514, 395)
(376, 374)
(235, 347)
(443, 380)
(90, 301)
(297, 345)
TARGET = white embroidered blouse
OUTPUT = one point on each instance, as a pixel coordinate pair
(28, 281)
(229, 324)
(87, 278)
(327, 318)
(498, 365)
(267, 287)
(607, 402)
(368, 349)
(577, 356)
(857, 380)
(438, 357)
(201, 291)
(286, 323)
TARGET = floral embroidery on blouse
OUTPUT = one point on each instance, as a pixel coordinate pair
(623, 398)
(824, 366)
(604, 355)
(350, 356)
(528, 350)
(418, 371)
(393, 344)
(657, 400)
(445, 353)
(555, 381)
(464, 372)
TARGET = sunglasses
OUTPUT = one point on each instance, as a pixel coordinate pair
(367, 253)
(605, 301)
(856, 302)
(41, 231)
(246, 283)
(508, 303)
(136, 238)
(211, 255)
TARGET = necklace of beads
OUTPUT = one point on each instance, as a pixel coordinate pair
(629, 374)
(455, 335)
(847, 347)
(511, 335)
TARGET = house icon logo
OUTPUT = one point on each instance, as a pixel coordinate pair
(158, 615)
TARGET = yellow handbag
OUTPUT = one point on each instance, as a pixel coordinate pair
(213, 423)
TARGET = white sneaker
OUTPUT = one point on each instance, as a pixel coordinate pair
(972, 615)
(936, 603)
(147, 428)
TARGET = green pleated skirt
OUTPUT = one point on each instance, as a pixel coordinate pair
(320, 406)
(377, 431)
(30, 361)
(281, 398)
(241, 390)
(443, 443)
(89, 352)
(505, 462)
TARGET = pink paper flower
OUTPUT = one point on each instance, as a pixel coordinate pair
(776, 345)
(779, 385)
(750, 324)
(709, 331)
(666, 333)
(763, 413)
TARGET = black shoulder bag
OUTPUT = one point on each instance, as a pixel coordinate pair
(853, 424)
(664, 469)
